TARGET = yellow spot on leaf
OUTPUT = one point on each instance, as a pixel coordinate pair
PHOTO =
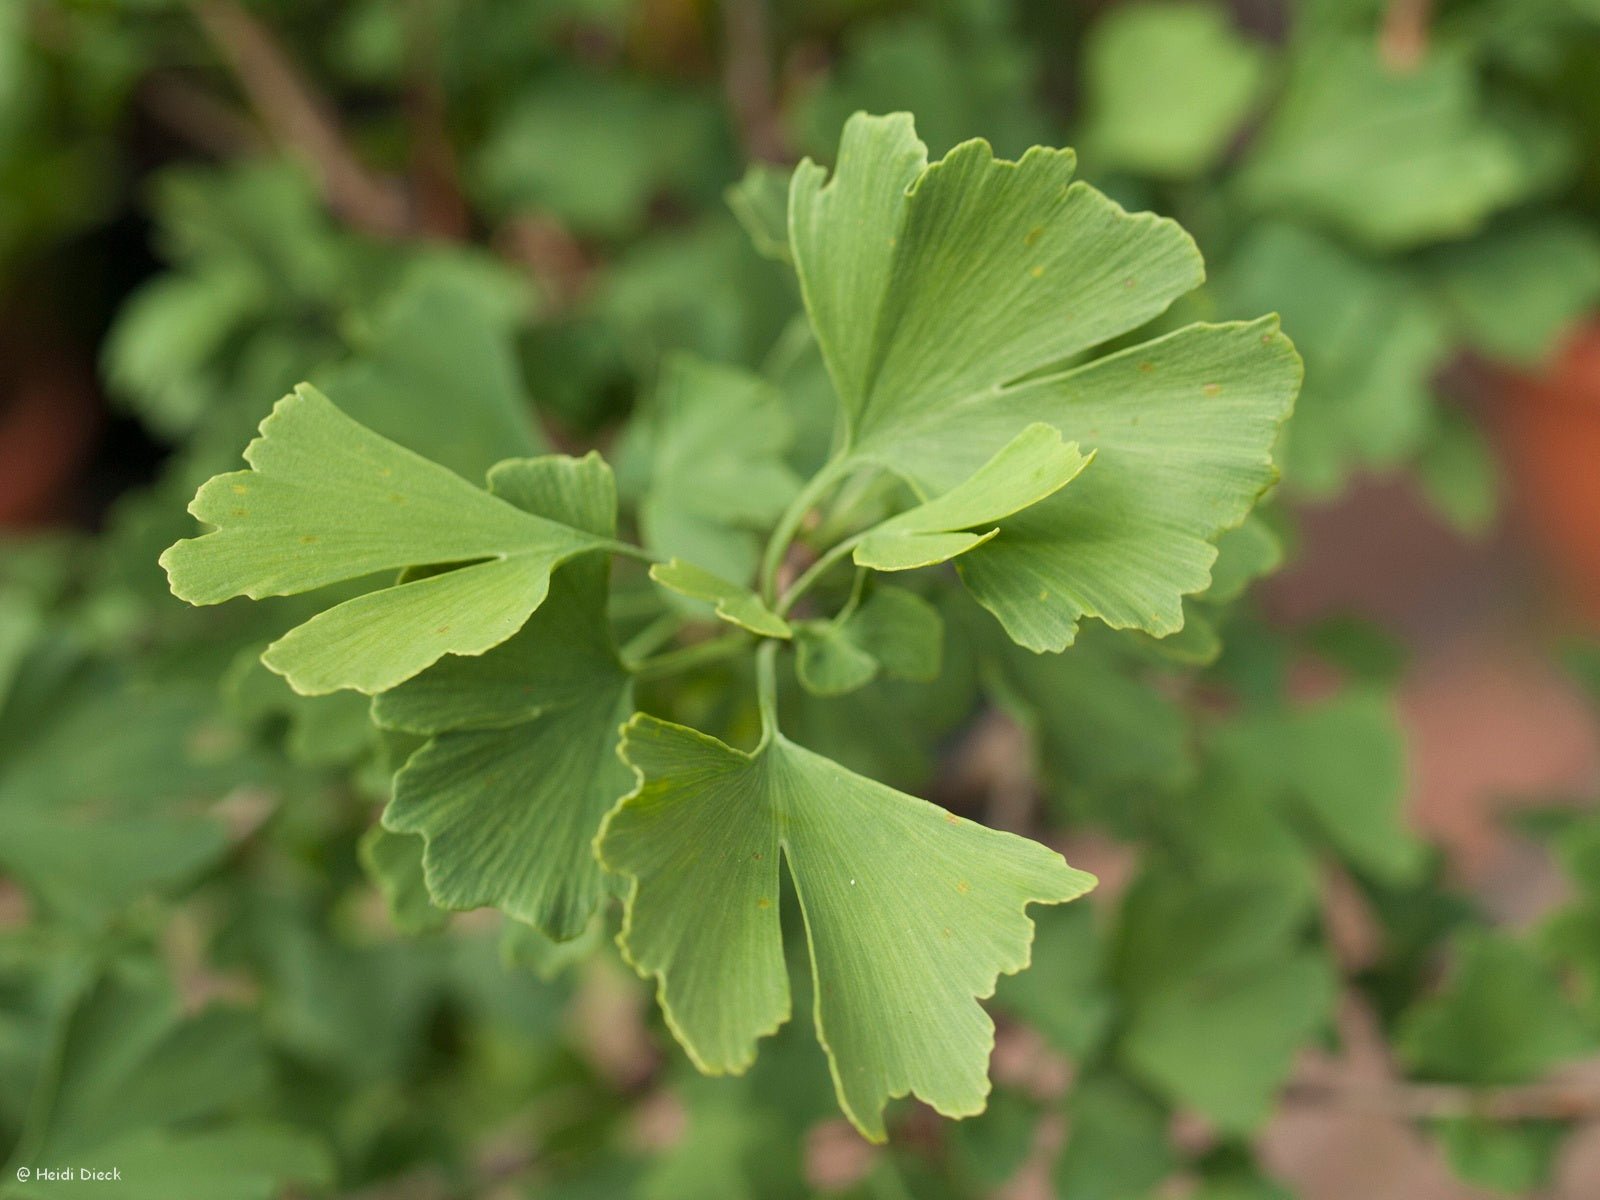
(963, 887)
(1037, 272)
(308, 539)
(763, 903)
(1212, 389)
(239, 489)
(1033, 236)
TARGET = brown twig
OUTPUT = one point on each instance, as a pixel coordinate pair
(1550, 1101)
(200, 118)
(747, 78)
(441, 205)
(299, 119)
(1403, 40)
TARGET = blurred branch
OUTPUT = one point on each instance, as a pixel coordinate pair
(1366, 1080)
(1552, 1101)
(300, 120)
(441, 205)
(747, 79)
(549, 252)
(1403, 40)
(198, 117)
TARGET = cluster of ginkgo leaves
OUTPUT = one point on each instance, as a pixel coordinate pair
(918, 481)
(952, 303)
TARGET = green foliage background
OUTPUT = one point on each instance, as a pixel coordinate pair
(219, 973)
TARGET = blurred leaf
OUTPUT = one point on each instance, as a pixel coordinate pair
(893, 630)
(1458, 472)
(761, 203)
(1390, 158)
(96, 807)
(715, 442)
(438, 375)
(1517, 290)
(594, 151)
(393, 861)
(1219, 994)
(1224, 1042)
(1371, 342)
(1063, 994)
(1515, 1159)
(1500, 1018)
(1244, 554)
(1098, 723)
(1168, 85)
(1342, 764)
(1117, 1147)
(131, 1079)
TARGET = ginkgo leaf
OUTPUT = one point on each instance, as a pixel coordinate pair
(930, 286)
(717, 476)
(760, 201)
(1392, 158)
(943, 296)
(1167, 85)
(911, 913)
(828, 662)
(1372, 341)
(328, 500)
(1502, 1017)
(1182, 430)
(521, 764)
(137, 1085)
(1033, 465)
(734, 604)
(438, 373)
(393, 861)
(893, 630)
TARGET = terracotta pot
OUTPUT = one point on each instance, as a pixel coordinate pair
(1549, 426)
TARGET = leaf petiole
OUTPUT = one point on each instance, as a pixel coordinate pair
(686, 658)
(767, 691)
(815, 571)
(789, 523)
(629, 550)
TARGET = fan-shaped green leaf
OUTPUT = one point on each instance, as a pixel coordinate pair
(1033, 465)
(943, 296)
(734, 604)
(1168, 86)
(717, 477)
(894, 631)
(910, 912)
(327, 500)
(521, 765)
